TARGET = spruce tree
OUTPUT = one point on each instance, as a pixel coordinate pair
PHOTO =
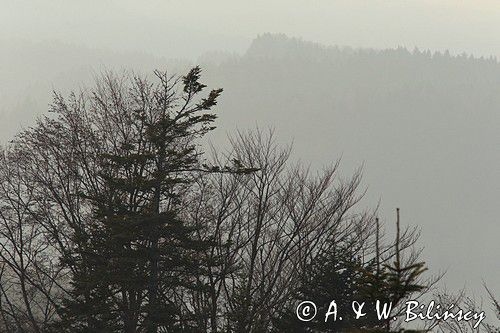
(136, 256)
(333, 276)
(340, 274)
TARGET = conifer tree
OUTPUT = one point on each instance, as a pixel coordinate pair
(341, 275)
(333, 276)
(135, 257)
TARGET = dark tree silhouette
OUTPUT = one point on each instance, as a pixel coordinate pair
(112, 165)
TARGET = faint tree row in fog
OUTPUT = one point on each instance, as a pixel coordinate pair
(113, 220)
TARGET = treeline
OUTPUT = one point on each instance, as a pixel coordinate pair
(114, 219)
(415, 83)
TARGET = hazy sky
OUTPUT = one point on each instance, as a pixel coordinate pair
(189, 28)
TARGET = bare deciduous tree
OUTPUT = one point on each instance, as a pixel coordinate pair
(31, 278)
(268, 226)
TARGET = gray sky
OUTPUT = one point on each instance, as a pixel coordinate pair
(189, 28)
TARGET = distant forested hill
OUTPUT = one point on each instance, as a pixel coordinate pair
(279, 76)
